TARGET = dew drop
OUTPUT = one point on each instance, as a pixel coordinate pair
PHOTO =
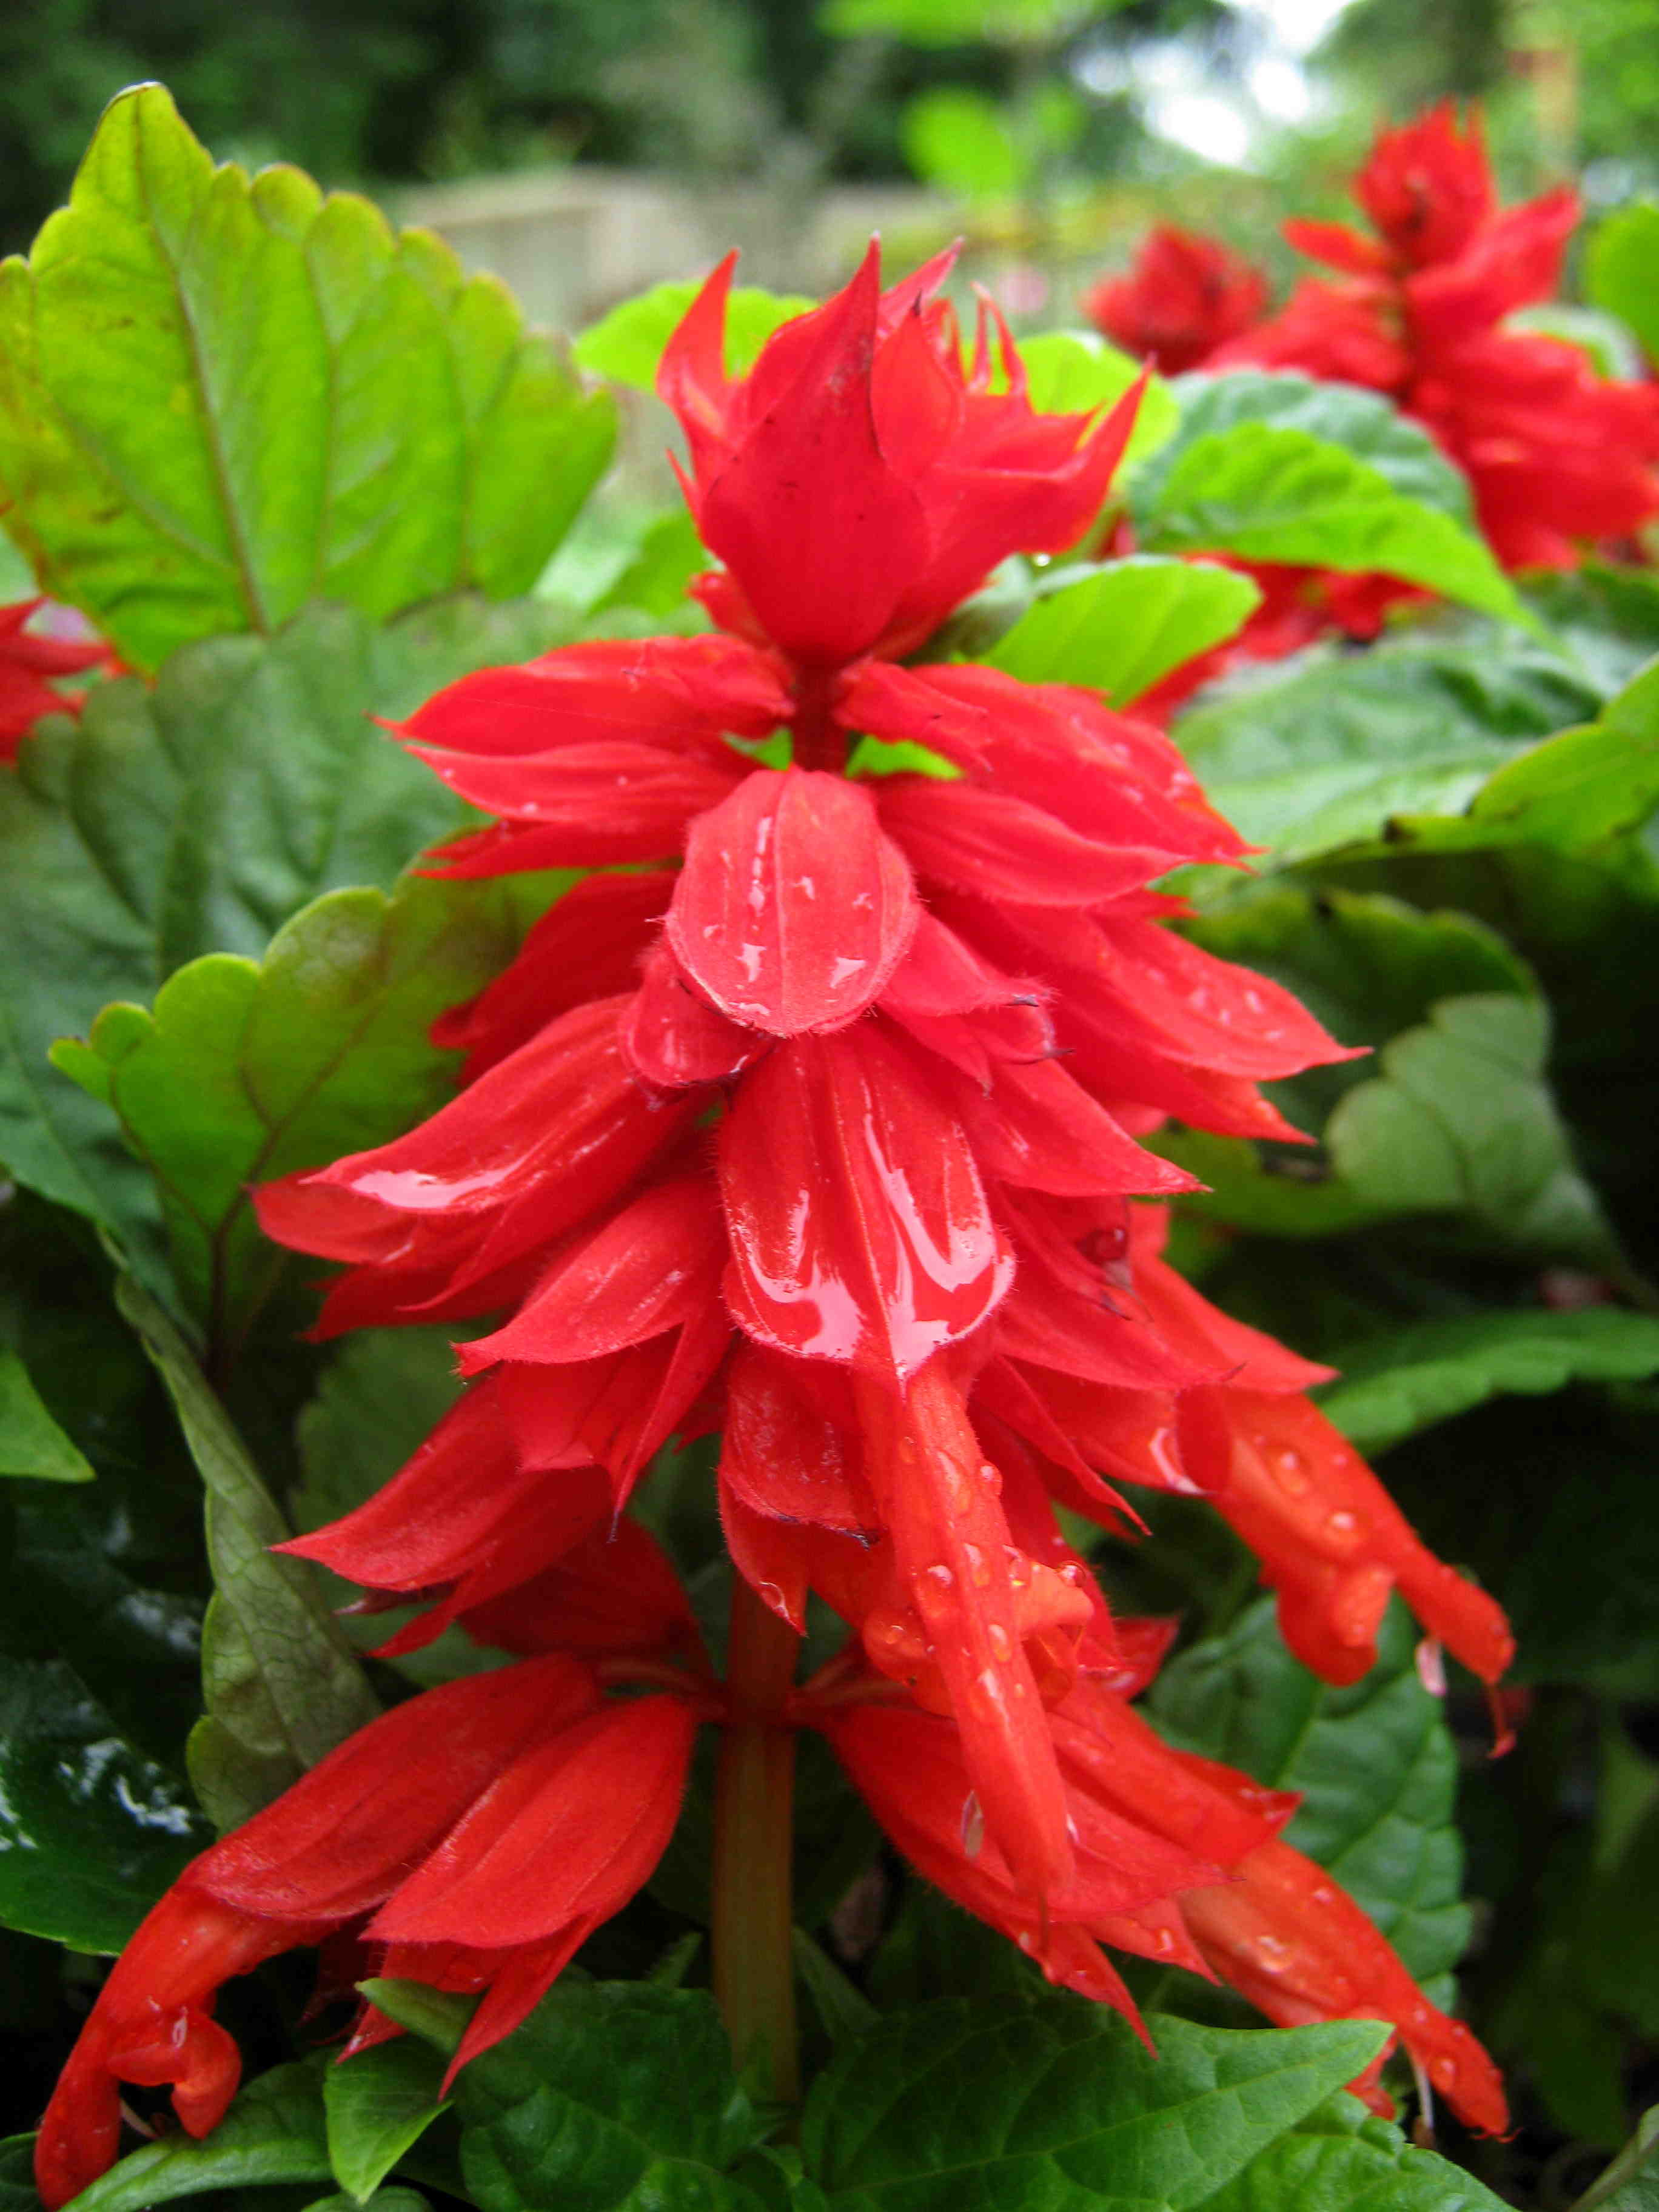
(973, 1824)
(1287, 1465)
(1442, 2072)
(1342, 1524)
(1164, 1940)
(1270, 1954)
(1431, 1667)
(1001, 1644)
(978, 1573)
(991, 1478)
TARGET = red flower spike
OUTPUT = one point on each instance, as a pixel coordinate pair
(1300, 1949)
(342, 1838)
(793, 908)
(1184, 296)
(29, 659)
(1419, 319)
(858, 1224)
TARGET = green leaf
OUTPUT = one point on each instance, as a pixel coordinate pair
(1055, 2106)
(17, 2190)
(1246, 473)
(1577, 792)
(376, 2106)
(1393, 1385)
(31, 1442)
(961, 141)
(1068, 372)
(220, 398)
(612, 2097)
(91, 1831)
(1376, 1765)
(1621, 272)
(281, 1684)
(383, 2200)
(195, 818)
(1631, 2183)
(436, 2016)
(842, 2008)
(1119, 628)
(1341, 2159)
(1461, 1121)
(956, 22)
(272, 2133)
(627, 344)
(1363, 423)
(668, 554)
(243, 1073)
(1328, 751)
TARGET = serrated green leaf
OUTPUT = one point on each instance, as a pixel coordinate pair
(272, 2133)
(1068, 372)
(1366, 492)
(1119, 628)
(1621, 272)
(1577, 792)
(220, 398)
(1341, 2160)
(282, 1687)
(1328, 751)
(91, 1831)
(1393, 1385)
(376, 2105)
(612, 2097)
(243, 1073)
(1376, 1765)
(1363, 423)
(1461, 1121)
(31, 1442)
(196, 818)
(627, 344)
(1055, 2106)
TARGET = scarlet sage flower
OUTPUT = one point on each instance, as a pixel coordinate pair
(1183, 296)
(931, 1015)
(1555, 455)
(29, 661)
(475, 1837)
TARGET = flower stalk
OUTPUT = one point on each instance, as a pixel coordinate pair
(754, 1972)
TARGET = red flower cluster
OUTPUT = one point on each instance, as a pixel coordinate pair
(29, 659)
(826, 1138)
(1555, 454)
(1184, 296)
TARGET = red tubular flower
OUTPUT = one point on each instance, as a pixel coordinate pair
(29, 660)
(488, 1826)
(1555, 455)
(1183, 296)
(931, 1017)
(1146, 1822)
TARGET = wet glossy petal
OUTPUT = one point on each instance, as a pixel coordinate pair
(973, 839)
(858, 1224)
(651, 1267)
(673, 1038)
(793, 908)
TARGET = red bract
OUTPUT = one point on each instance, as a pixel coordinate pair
(29, 660)
(476, 1835)
(1555, 455)
(1183, 296)
(857, 482)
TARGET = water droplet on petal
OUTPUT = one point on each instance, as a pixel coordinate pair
(973, 1824)
(1001, 1644)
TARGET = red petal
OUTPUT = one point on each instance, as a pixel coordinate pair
(587, 946)
(672, 1038)
(651, 1267)
(977, 840)
(859, 1226)
(1040, 1130)
(782, 1458)
(571, 1829)
(793, 908)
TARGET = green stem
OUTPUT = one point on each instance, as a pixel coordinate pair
(754, 1834)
